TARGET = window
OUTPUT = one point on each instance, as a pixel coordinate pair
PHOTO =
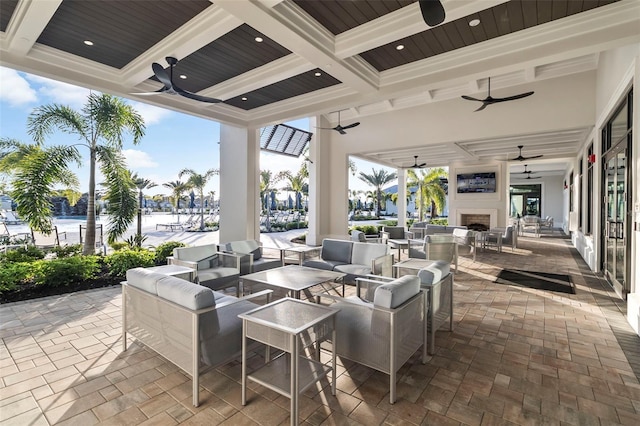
(580, 207)
(590, 206)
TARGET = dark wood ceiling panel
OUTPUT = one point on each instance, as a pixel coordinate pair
(500, 20)
(298, 85)
(120, 30)
(231, 55)
(339, 16)
(6, 11)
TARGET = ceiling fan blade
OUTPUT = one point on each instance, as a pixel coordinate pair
(432, 12)
(162, 75)
(513, 98)
(483, 106)
(195, 96)
(422, 165)
(161, 90)
(352, 125)
(340, 130)
(469, 98)
(535, 156)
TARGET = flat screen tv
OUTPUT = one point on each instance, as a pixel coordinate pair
(476, 182)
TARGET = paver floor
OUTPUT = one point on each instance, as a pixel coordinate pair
(516, 356)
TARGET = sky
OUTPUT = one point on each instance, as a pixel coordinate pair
(173, 141)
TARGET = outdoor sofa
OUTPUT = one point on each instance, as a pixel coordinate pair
(353, 258)
(192, 326)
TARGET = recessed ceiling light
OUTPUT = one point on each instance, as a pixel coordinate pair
(474, 22)
(318, 74)
(400, 47)
(182, 76)
(244, 99)
(259, 39)
(88, 42)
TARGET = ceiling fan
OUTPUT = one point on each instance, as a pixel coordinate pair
(526, 172)
(340, 128)
(521, 158)
(415, 164)
(489, 100)
(170, 87)
(529, 177)
(432, 12)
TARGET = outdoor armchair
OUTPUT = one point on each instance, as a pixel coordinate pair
(509, 236)
(214, 269)
(382, 333)
(100, 244)
(361, 237)
(466, 241)
(530, 224)
(395, 233)
(253, 256)
(435, 247)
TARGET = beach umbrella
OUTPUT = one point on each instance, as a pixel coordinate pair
(192, 200)
(359, 204)
(298, 200)
(290, 201)
(206, 203)
(266, 201)
(273, 200)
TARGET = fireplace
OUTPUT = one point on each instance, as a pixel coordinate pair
(477, 219)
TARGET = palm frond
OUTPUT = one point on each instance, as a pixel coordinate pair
(45, 119)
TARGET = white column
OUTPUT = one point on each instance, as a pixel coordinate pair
(402, 197)
(239, 183)
(319, 182)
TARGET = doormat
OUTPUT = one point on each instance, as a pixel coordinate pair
(538, 280)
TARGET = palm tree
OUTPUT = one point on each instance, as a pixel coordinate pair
(101, 126)
(296, 185)
(177, 189)
(141, 184)
(377, 179)
(34, 172)
(429, 191)
(199, 181)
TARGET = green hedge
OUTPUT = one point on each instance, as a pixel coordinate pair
(122, 260)
(367, 229)
(54, 273)
(165, 250)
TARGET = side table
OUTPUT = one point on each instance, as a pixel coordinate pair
(290, 325)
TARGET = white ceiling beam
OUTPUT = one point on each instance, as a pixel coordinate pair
(27, 23)
(204, 28)
(401, 23)
(286, 25)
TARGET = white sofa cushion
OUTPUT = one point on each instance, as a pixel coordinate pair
(396, 292)
(364, 253)
(434, 272)
(144, 279)
(184, 293)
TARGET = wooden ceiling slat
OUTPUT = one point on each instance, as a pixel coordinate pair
(6, 11)
(463, 28)
(479, 34)
(501, 19)
(488, 24)
(453, 35)
(544, 11)
(516, 21)
(443, 39)
(530, 13)
(589, 4)
(574, 7)
(559, 9)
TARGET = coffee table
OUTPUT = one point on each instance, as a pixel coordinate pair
(290, 325)
(400, 244)
(297, 255)
(293, 278)
(179, 271)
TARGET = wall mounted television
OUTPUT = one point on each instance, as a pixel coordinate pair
(476, 182)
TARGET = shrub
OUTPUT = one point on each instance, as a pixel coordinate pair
(388, 222)
(118, 245)
(122, 260)
(22, 254)
(296, 225)
(367, 229)
(65, 271)
(67, 251)
(12, 275)
(440, 221)
(166, 249)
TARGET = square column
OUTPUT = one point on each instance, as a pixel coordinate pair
(239, 183)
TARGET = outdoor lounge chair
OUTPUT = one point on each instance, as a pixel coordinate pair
(382, 333)
(51, 240)
(10, 217)
(99, 237)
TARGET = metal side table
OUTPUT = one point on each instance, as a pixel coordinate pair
(290, 325)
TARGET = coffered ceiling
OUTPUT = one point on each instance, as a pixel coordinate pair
(277, 60)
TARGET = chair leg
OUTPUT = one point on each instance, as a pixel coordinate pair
(392, 386)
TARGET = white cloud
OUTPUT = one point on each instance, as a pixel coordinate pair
(15, 89)
(59, 92)
(138, 159)
(150, 113)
